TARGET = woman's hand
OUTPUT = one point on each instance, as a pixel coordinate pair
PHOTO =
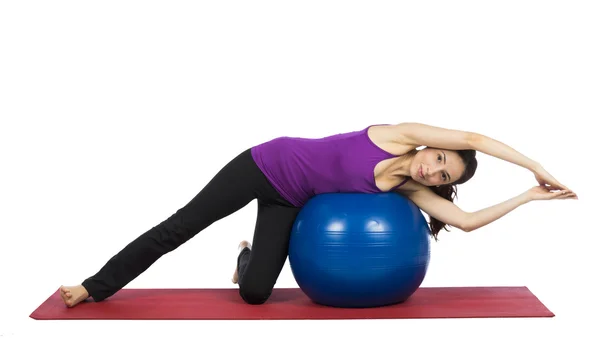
(542, 192)
(545, 179)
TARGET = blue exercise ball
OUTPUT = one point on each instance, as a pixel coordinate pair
(358, 250)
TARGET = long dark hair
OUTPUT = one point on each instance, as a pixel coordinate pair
(449, 192)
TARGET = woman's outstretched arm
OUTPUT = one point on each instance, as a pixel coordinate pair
(418, 134)
(448, 212)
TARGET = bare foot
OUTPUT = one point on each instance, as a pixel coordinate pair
(73, 295)
(242, 245)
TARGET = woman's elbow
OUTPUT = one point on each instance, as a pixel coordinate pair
(466, 223)
(463, 228)
(473, 140)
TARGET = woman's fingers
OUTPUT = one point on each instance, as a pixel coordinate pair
(566, 194)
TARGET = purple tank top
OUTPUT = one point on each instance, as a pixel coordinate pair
(300, 168)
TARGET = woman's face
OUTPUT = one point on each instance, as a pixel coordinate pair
(434, 167)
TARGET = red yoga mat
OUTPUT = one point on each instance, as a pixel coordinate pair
(293, 304)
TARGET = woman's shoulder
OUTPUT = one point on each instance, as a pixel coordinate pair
(386, 137)
(410, 186)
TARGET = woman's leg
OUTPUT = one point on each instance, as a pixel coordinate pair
(232, 188)
(259, 268)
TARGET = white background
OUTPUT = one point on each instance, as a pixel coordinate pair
(114, 114)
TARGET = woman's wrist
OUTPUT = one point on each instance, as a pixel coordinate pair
(525, 197)
(534, 166)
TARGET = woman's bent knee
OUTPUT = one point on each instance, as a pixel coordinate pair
(255, 296)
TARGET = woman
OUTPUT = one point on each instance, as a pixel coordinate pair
(284, 173)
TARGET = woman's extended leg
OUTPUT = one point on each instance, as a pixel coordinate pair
(259, 268)
(232, 188)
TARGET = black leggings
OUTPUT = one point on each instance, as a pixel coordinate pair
(232, 188)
